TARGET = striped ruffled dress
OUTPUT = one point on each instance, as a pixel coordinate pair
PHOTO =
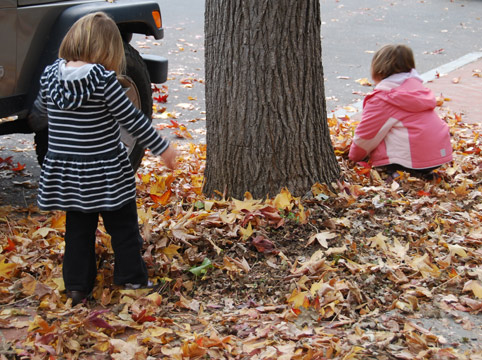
(86, 167)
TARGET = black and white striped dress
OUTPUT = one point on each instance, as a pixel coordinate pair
(86, 167)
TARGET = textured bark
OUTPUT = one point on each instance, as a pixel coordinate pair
(265, 101)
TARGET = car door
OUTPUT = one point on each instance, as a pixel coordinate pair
(8, 53)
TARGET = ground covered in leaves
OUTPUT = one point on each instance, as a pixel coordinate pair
(374, 268)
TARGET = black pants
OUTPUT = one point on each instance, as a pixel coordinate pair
(79, 267)
(423, 173)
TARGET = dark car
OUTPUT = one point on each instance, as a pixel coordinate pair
(30, 34)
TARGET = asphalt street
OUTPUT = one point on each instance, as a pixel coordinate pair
(439, 31)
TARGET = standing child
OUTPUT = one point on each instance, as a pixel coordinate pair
(400, 129)
(86, 171)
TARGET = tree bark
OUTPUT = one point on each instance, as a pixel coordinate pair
(265, 100)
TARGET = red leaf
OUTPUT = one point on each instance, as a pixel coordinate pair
(7, 160)
(423, 193)
(94, 319)
(10, 246)
(19, 167)
(264, 245)
(361, 171)
(161, 98)
(163, 199)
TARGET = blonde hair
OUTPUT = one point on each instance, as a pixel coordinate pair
(95, 39)
(392, 59)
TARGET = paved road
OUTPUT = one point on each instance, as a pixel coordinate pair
(439, 31)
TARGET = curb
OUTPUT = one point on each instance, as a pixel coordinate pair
(427, 77)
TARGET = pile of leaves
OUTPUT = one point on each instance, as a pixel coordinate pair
(352, 271)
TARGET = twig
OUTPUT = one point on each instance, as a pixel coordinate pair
(18, 301)
(445, 282)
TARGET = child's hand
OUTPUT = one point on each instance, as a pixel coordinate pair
(169, 157)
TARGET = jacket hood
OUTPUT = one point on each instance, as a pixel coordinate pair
(406, 91)
(70, 87)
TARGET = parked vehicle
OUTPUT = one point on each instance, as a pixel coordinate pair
(31, 32)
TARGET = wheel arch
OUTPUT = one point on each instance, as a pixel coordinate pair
(130, 17)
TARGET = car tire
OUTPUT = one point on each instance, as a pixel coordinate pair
(136, 70)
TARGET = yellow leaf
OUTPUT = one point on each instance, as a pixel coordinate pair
(249, 205)
(302, 214)
(364, 82)
(146, 178)
(246, 233)
(103, 346)
(283, 200)
(475, 286)
(144, 216)
(171, 251)
(316, 286)
(59, 282)
(457, 250)
(58, 221)
(6, 269)
(353, 353)
(297, 298)
(40, 326)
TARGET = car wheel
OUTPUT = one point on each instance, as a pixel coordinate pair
(136, 70)
(139, 92)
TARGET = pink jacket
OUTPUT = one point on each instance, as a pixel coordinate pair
(399, 126)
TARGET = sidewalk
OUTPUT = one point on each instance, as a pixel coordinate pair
(463, 86)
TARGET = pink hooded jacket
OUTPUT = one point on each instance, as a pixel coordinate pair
(399, 126)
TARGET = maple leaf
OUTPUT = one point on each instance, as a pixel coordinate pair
(10, 246)
(379, 241)
(6, 269)
(246, 233)
(183, 133)
(201, 269)
(19, 167)
(299, 298)
(171, 251)
(321, 238)
(163, 199)
(264, 245)
(161, 98)
(94, 320)
(39, 325)
(283, 200)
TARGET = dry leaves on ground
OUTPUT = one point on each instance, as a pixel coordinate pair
(347, 273)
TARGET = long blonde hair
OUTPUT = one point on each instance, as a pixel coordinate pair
(392, 59)
(95, 39)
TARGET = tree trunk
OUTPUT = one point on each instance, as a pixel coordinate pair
(265, 98)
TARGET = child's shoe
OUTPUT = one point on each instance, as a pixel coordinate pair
(150, 285)
(77, 297)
